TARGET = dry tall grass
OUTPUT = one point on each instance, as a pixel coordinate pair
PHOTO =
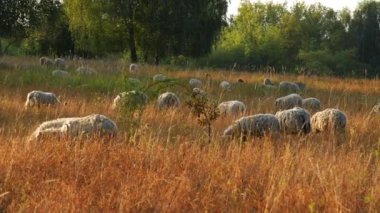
(167, 165)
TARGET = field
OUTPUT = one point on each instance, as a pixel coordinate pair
(167, 163)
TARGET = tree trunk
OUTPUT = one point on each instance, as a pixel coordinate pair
(156, 60)
(132, 44)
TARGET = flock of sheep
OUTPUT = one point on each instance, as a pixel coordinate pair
(293, 115)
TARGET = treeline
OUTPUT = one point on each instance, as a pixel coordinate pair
(303, 38)
(147, 30)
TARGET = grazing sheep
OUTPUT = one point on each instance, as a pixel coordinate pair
(301, 85)
(225, 85)
(332, 120)
(268, 82)
(294, 121)
(38, 98)
(94, 124)
(288, 102)
(168, 100)
(159, 77)
(133, 68)
(132, 97)
(255, 125)
(60, 73)
(195, 83)
(60, 63)
(86, 71)
(311, 104)
(289, 86)
(231, 107)
(46, 61)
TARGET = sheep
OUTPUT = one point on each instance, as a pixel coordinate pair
(46, 61)
(86, 71)
(159, 77)
(94, 124)
(60, 63)
(289, 86)
(301, 85)
(231, 107)
(39, 98)
(294, 121)
(135, 97)
(225, 85)
(311, 104)
(255, 125)
(329, 120)
(60, 73)
(134, 68)
(268, 82)
(168, 100)
(195, 83)
(288, 102)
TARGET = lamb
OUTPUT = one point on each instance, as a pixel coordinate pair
(289, 86)
(225, 85)
(60, 63)
(311, 104)
(288, 102)
(268, 82)
(332, 120)
(134, 68)
(86, 71)
(46, 61)
(38, 98)
(136, 97)
(294, 121)
(168, 100)
(231, 107)
(255, 125)
(60, 73)
(159, 77)
(90, 125)
(195, 83)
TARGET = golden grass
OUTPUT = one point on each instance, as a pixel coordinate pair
(167, 165)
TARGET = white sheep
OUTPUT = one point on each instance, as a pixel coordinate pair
(90, 125)
(332, 120)
(159, 78)
(168, 100)
(255, 125)
(46, 61)
(38, 98)
(311, 104)
(225, 85)
(86, 71)
(268, 82)
(289, 86)
(288, 102)
(136, 97)
(60, 63)
(195, 83)
(60, 73)
(231, 107)
(134, 68)
(294, 121)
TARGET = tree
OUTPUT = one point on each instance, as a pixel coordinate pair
(15, 17)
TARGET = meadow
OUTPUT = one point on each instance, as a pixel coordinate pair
(167, 164)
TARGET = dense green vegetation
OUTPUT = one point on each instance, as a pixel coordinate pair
(311, 39)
